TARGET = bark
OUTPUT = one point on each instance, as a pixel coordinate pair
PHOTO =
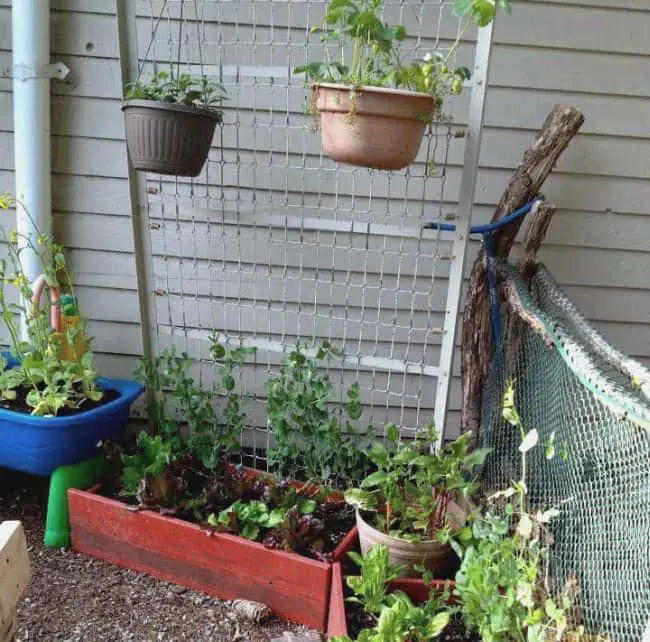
(561, 125)
(539, 222)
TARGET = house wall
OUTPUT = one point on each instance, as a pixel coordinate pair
(589, 53)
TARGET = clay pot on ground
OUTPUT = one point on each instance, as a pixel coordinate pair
(436, 557)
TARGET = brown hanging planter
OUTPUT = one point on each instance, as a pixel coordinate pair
(168, 138)
(371, 126)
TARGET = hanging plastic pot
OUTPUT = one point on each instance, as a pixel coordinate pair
(371, 126)
(169, 138)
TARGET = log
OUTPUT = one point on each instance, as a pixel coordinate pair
(14, 575)
(561, 125)
(539, 222)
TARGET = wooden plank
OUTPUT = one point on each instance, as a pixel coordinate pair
(227, 566)
(537, 68)
(574, 28)
(14, 573)
(588, 155)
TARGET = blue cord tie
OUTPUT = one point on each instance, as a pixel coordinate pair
(486, 231)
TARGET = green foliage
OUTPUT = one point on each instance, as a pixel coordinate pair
(52, 375)
(413, 486)
(376, 59)
(312, 439)
(175, 398)
(182, 89)
(154, 455)
(501, 583)
(371, 586)
(248, 519)
(397, 618)
(481, 11)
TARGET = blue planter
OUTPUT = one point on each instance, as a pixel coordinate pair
(38, 445)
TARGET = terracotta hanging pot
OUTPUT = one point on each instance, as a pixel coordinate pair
(371, 126)
(168, 138)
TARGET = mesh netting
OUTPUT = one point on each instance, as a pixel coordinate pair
(570, 382)
(274, 243)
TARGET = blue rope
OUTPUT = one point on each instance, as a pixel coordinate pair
(488, 227)
(487, 231)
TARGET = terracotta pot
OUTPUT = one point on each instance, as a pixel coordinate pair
(371, 126)
(428, 553)
(168, 138)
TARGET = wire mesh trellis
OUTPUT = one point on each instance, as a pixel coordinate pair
(273, 243)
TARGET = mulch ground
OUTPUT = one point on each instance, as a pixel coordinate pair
(74, 598)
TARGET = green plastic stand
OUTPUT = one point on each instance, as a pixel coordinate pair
(82, 475)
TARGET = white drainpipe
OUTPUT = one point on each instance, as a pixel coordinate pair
(31, 97)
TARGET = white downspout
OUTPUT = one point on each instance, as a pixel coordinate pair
(31, 99)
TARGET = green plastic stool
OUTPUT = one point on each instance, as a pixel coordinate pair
(82, 475)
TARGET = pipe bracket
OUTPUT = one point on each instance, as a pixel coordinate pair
(57, 70)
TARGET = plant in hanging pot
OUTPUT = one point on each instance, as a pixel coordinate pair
(374, 109)
(170, 122)
(416, 501)
(54, 408)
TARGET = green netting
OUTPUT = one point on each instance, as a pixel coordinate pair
(571, 382)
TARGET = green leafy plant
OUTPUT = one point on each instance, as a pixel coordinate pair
(54, 371)
(482, 11)
(248, 519)
(174, 398)
(502, 584)
(312, 439)
(376, 59)
(153, 456)
(412, 488)
(370, 587)
(183, 89)
(395, 617)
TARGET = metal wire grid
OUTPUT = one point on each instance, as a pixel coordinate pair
(274, 243)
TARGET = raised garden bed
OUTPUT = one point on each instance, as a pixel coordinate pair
(224, 565)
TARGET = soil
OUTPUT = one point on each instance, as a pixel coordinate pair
(75, 598)
(188, 491)
(19, 404)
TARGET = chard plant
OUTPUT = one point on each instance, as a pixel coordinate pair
(411, 491)
(182, 89)
(315, 439)
(54, 372)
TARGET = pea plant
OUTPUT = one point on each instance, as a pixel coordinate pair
(183, 89)
(502, 584)
(314, 439)
(411, 490)
(45, 377)
(174, 396)
(376, 60)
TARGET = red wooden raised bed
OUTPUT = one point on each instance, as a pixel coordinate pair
(226, 566)
(415, 588)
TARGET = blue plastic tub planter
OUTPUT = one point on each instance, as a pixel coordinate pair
(39, 445)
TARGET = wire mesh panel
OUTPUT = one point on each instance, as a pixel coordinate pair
(274, 243)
